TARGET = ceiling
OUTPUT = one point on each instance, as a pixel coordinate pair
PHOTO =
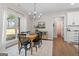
(47, 7)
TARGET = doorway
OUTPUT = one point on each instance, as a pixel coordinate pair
(58, 27)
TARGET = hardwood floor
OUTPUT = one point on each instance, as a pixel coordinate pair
(61, 48)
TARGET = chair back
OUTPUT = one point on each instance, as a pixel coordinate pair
(39, 35)
(22, 38)
(27, 32)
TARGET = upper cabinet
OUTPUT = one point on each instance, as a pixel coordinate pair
(73, 18)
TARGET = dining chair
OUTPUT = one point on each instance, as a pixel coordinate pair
(23, 42)
(38, 40)
(26, 32)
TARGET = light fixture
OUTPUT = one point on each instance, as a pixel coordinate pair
(35, 15)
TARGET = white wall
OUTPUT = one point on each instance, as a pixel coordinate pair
(23, 23)
(49, 25)
(1, 25)
(29, 24)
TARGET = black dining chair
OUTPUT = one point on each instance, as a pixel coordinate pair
(26, 32)
(38, 40)
(23, 42)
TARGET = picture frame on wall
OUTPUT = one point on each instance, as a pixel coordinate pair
(40, 25)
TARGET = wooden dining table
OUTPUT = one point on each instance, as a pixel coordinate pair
(31, 38)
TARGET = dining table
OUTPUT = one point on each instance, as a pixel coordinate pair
(31, 37)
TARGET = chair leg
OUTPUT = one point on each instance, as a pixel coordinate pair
(30, 45)
(19, 50)
(41, 42)
(25, 51)
(36, 48)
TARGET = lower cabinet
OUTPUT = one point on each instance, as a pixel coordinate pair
(72, 36)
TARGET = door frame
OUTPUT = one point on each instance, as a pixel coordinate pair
(54, 36)
(12, 42)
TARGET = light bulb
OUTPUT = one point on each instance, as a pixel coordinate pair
(29, 13)
(35, 12)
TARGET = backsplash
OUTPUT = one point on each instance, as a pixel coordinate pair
(75, 28)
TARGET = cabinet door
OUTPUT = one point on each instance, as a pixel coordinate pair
(70, 36)
(76, 18)
(75, 37)
(73, 18)
(70, 18)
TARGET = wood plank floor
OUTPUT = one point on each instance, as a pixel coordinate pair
(61, 48)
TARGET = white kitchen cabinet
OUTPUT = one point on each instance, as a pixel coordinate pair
(72, 36)
(76, 37)
(73, 18)
(76, 18)
(69, 18)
